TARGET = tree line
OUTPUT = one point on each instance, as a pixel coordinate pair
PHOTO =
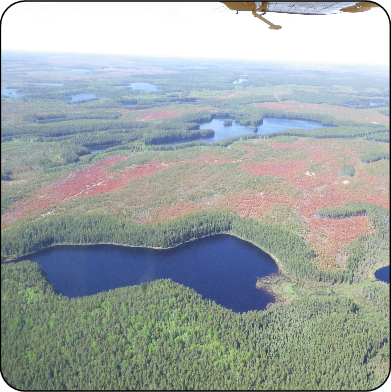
(288, 247)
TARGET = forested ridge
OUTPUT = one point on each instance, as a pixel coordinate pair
(316, 200)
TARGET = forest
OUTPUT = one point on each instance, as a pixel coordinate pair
(133, 168)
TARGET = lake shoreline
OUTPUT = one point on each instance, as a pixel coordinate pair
(220, 268)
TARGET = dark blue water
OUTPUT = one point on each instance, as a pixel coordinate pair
(383, 274)
(221, 268)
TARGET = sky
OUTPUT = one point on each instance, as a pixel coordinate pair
(195, 30)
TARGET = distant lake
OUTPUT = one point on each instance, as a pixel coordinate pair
(364, 106)
(101, 147)
(269, 125)
(221, 268)
(46, 84)
(81, 71)
(141, 86)
(11, 93)
(190, 67)
(239, 81)
(81, 97)
(383, 274)
(111, 69)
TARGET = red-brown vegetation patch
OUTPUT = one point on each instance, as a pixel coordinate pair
(287, 170)
(250, 149)
(344, 230)
(17, 105)
(254, 206)
(330, 237)
(88, 181)
(143, 170)
(156, 115)
(323, 188)
(280, 144)
(335, 195)
(286, 105)
(211, 159)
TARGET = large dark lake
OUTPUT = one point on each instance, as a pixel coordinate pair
(221, 268)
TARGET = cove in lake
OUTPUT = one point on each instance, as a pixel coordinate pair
(221, 268)
(11, 93)
(383, 274)
(269, 125)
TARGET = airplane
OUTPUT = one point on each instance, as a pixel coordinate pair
(259, 8)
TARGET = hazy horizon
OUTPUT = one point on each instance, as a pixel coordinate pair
(196, 31)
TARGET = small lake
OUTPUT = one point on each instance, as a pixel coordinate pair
(365, 106)
(240, 80)
(101, 147)
(141, 86)
(383, 274)
(81, 71)
(46, 84)
(11, 93)
(81, 97)
(269, 125)
(105, 69)
(221, 268)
